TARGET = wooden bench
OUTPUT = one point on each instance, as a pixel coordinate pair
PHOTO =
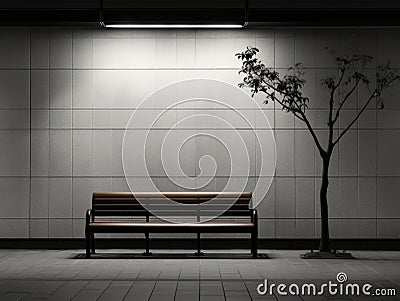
(121, 212)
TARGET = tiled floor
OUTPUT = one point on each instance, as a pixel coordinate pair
(65, 275)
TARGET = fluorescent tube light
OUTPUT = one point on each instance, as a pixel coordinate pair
(174, 26)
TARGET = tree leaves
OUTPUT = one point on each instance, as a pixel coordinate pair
(259, 78)
(287, 89)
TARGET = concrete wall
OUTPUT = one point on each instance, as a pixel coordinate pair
(66, 95)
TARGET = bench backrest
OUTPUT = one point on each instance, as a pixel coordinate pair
(192, 203)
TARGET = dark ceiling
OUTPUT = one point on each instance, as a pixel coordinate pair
(257, 13)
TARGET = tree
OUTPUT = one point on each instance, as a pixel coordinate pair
(286, 90)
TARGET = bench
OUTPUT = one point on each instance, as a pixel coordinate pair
(124, 212)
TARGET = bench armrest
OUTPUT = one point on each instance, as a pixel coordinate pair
(254, 216)
(89, 216)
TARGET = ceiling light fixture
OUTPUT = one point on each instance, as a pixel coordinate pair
(181, 20)
(174, 25)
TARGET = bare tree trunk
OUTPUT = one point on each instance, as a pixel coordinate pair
(323, 198)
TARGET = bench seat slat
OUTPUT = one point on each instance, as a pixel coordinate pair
(174, 195)
(129, 201)
(169, 207)
(118, 211)
(171, 213)
(171, 227)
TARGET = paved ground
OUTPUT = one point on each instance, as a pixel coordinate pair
(65, 275)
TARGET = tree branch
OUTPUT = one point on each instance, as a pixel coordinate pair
(295, 112)
(376, 92)
(330, 123)
(298, 116)
(311, 130)
(274, 98)
(351, 90)
(331, 101)
(345, 99)
(340, 79)
(355, 119)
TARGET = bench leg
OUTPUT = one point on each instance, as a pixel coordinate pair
(254, 244)
(147, 253)
(92, 243)
(198, 253)
(87, 236)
